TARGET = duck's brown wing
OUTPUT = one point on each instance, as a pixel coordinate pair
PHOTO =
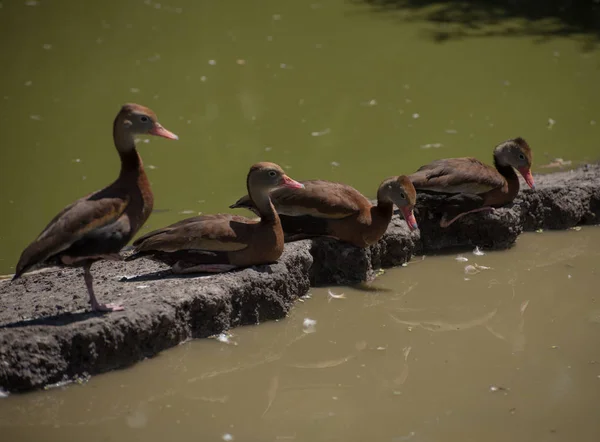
(74, 223)
(321, 199)
(457, 175)
(216, 233)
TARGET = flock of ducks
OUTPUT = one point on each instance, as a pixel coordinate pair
(99, 225)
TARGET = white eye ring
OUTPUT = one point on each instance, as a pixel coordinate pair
(272, 173)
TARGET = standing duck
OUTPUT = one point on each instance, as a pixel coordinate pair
(98, 225)
(222, 242)
(325, 208)
(477, 186)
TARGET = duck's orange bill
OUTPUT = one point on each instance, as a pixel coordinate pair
(292, 184)
(160, 131)
(409, 217)
(527, 176)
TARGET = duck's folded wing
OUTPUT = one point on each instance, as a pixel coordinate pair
(217, 233)
(457, 175)
(322, 199)
(73, 223)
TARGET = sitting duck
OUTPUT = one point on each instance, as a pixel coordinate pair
(223, 242)
(325, 208)
(473, 186)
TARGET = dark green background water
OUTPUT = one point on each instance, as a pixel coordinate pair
(327, 89)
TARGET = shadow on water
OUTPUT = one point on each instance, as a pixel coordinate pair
(455, 19)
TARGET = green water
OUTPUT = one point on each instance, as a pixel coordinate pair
(327, 89)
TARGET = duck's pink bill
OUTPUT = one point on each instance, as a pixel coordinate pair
(160, 131)
(527, 176)
(292, 184)
(409, 216)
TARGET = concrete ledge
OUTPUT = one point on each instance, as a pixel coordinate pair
(46, 336)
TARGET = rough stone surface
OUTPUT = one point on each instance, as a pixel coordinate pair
(47, 335)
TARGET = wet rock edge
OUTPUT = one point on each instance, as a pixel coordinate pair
(47, 336)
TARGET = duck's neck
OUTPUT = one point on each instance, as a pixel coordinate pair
(509, 174)
(125, 144)
(264, 206)
(383, 211)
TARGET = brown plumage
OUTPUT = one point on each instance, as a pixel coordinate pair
(325, 208)
(217, 243)
(478, 185)
(98, 225)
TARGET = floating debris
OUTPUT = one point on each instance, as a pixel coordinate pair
(276, 16)
(35, 117)
(135, 90)
(471, 270)
(240, 61)
(151, 166)
(141, 287)
(227, 437)
(415, 115)
(495, 388)
(47, 46)
(474, 269)
(506, 83)
(335, 164)
(321, 132)
(28, 83)
(225, 338)
(31, 3)
(203, 78)
(212, 62)
(451, 131)
(461, 258)
(268, 149)
(432, 145)
(331, 295)
(186, 212)
(551, 123)
(372, 102)
(557, 162)
(576, 228)
(309, 325)
(3, 394)
(478, 251)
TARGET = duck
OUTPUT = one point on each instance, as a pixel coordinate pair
(223, 242)
(474, 185)
(99, 225)
(337, 210)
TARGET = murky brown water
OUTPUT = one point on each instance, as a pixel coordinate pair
(326, 88)
(512, 354)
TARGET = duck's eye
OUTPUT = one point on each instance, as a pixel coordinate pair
(521, 156)
(272, 173)
(144, 119)
(402, 196)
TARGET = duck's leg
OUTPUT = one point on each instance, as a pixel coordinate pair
(445, 223)
(300, 236)
(202, 268)
(89, 283)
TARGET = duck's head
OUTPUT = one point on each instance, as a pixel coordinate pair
(516, 153)
(140, 120)
(400, 191)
